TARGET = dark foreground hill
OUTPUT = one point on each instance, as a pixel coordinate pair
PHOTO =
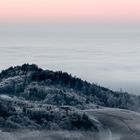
(31, 97)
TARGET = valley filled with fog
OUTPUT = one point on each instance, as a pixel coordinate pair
(107, 54)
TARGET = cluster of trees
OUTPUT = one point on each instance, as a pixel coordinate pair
(34, 81)
(18, 116)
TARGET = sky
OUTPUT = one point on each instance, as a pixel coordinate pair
(95, 44)
(69, 10)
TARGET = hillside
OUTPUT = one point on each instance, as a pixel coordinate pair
(42, 104)
(60, 88)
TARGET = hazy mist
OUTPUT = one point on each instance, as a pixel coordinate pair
(107, 54)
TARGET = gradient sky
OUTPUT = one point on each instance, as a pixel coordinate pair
(73, 10)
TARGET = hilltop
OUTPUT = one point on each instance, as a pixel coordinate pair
(60, 88)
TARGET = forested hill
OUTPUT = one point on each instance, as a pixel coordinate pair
(60, 88)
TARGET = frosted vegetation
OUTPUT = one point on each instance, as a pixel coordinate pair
(58, 88)
(20, 114)
(56, 102)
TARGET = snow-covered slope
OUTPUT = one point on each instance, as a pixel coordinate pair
(121, 124)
